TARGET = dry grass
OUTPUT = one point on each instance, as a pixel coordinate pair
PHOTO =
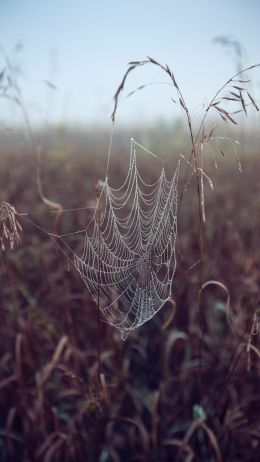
(150, 404)
(184, 387)
(10, 227)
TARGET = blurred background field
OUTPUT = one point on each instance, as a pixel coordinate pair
(185, 385)
(153, 396)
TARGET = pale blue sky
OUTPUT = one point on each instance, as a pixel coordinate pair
(83, 47)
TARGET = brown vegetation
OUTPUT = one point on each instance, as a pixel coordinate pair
(184, 386)
(152, 402)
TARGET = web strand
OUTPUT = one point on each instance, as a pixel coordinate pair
(128, 260)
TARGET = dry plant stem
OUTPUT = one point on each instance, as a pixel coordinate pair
(211, 105)
(193, 154)
(98, 301)
(10, 228)
(200, 199)
(182, 103)
(133, 65)
(18, 98)
(218, 92)
(201, 244)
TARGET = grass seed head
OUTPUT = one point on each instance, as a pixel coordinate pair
(10, 227)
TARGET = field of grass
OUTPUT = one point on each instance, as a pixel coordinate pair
(183, 387)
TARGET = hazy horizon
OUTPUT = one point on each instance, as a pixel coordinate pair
(73, 56)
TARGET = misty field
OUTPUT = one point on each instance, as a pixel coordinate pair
(182, 387)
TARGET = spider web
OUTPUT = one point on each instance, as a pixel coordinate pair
(128, 261)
